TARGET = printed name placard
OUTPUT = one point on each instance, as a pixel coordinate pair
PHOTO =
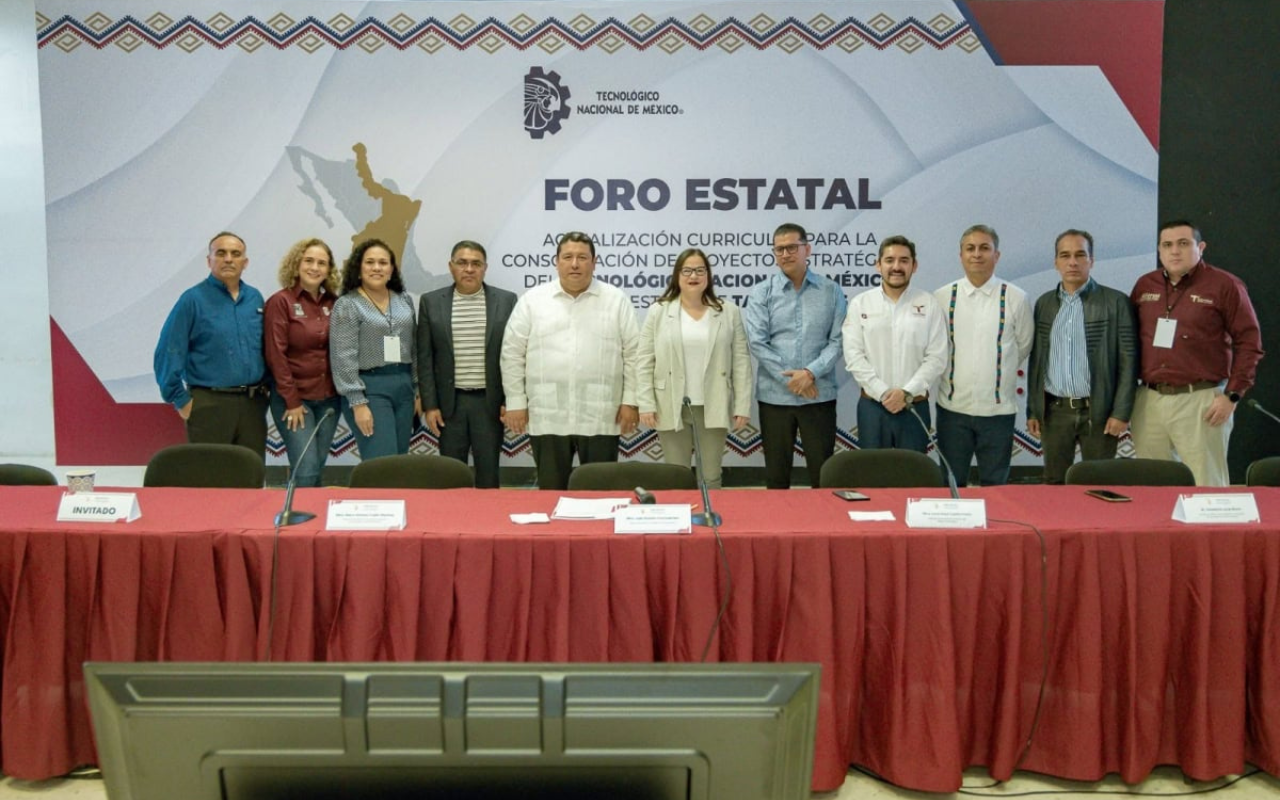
(1240, 507)
(659, 518)
(365, 515)
(99, 507)
(933, 513)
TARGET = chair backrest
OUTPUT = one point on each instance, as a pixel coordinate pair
(412, 472)
(208, 466)
(25, 475)
(627, 475)
(1263, 472)
(1130, 472)
(879, 469)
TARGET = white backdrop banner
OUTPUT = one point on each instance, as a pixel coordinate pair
(652, 126)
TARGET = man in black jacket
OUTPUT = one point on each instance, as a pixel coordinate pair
(1084, 362)
(460, 330)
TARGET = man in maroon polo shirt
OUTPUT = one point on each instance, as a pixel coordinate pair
(1200, 351)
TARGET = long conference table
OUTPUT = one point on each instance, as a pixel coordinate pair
(1162, 638)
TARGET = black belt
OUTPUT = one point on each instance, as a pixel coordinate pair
(481, 390)
(1181, 388)
(920, 398)
(252, 391)
(1068, 402)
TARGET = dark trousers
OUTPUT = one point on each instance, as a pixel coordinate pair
(553, 456)
(879, 429)
(226, 418)
(472, 429)
(1062, 428)
(390, 392)
(816, 423)
(961, 437)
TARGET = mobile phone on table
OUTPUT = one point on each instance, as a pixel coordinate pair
(851, 496)
(1108, 495)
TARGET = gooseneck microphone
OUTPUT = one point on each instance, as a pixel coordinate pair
(951, 476)
(1256, 406)
(710, 518)
(287, 515)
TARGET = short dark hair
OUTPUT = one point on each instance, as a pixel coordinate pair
(1179, 223)
(351, 269)
(575, 236)
(1088, 237)
(467, 244)
(898, 240)
(673, 285)
(791, 227)
(987, 229)
(220, 234)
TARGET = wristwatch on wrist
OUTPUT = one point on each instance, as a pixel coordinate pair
(1233, 397)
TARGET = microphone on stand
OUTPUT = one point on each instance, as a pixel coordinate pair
(1256, 406)
(287, 515)
(951, 476)
(710, 518)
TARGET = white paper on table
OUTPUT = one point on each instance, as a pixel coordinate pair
(1238, 507)
(871, 516)
(99, 507)
(932, 513)
(530, 519)
(365, 515)
(654, 518)
(589, 508)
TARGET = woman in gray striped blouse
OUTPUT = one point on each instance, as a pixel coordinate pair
(371, 339)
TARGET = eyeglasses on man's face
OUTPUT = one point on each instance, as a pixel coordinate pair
(468, 263)
(690, 272)
(787, 249)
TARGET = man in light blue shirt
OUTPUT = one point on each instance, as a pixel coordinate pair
(208, 362)
(793, 321)
(1084, 362)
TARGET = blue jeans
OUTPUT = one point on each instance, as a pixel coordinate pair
(879, 429)
(390, 392)
(307, 472)
(963, 436)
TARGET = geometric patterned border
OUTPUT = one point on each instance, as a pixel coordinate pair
(402, 32)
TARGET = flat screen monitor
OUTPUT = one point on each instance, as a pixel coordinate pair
(237, 731)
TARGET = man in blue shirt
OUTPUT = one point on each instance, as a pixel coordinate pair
(793, 321)
(1084, 362)
(209, 361)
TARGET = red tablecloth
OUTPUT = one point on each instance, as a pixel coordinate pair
(1163, 638)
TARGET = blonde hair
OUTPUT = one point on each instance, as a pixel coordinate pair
(292, 261)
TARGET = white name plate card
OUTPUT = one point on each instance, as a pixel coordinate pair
(931, 513)
(1216, 508)
(100, 507)
(659, 518)
(365, 515)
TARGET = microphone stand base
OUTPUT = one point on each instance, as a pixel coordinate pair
(709, 520)
(293, 517)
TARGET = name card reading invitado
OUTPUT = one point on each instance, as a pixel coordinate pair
(1239, 507)
(101, 507)
(931, 513)
(365, 515)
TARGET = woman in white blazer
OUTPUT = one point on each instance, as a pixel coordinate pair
(693, 345)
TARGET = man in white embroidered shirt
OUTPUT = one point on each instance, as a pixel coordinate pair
(569, 365)
(895, 345)
(990, 327)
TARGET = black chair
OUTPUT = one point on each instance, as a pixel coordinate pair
(1130, 472)
(25, 475)
(206, 466)
(412, 472)
(627, 475)
(1263, 472)
(879, 469)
